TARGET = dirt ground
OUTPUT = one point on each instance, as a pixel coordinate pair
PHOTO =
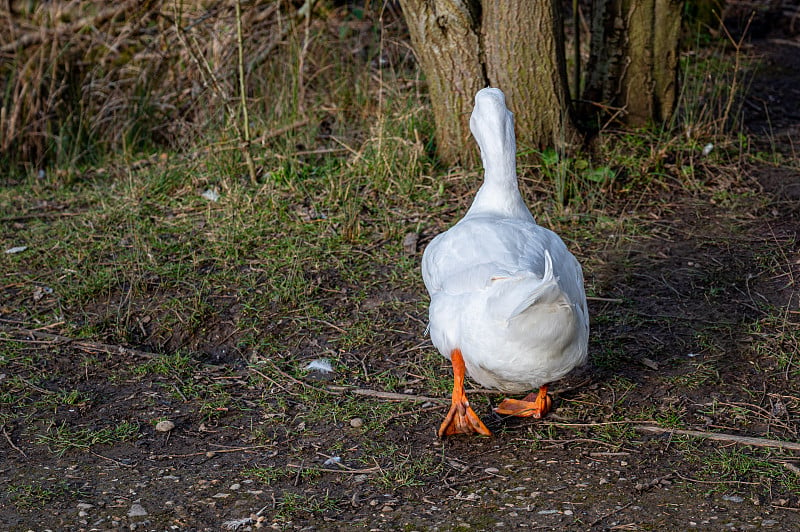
(677, 315)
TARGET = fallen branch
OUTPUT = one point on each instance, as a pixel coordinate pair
(325, 470)
(720, 436)
(210, 452)
(389, 396)
(86, 344)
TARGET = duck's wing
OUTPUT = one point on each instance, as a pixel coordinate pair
(466, 257)
(519, 261)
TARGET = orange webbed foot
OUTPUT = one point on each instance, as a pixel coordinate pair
(534, 405)
(461, 419)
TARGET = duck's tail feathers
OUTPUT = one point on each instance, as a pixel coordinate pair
(514, 295)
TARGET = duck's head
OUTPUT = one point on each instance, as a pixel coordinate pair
(492, 124)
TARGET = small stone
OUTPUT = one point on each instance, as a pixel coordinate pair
(769, 522)
(165, 426)
(491, 470)
(732, 498)
(85, 506)
(210, 454)
(221, 495)
(387, 508)
(410, 243)
(137, 510)
(567, 512)
(356, 422)
(235, 487)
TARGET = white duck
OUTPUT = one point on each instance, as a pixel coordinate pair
(507, 298)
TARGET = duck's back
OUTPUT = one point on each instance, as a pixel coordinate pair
(509, 294)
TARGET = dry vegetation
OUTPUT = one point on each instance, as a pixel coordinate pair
(85, 79)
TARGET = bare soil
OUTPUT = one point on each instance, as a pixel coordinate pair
(675, 325)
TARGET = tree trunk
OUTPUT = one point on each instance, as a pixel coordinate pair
(633, 60)
(445, 37)
(523, 46)
(518, 47)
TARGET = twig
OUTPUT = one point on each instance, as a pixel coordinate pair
(273, 381)
(469, 481)
(215, 451)
(123, 464)
(720, 436)
(389, 396)
(791, 467)
(11, 443)
(301, 87)
(605, 299)
(39, 216)
(248, 156)
(301, 383)
(96, 346)
(347, 471)
(609, 514)
(280, 131)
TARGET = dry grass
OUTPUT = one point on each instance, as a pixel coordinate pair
(84, 79)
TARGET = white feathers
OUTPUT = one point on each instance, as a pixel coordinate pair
(321, 365)
(505, 291)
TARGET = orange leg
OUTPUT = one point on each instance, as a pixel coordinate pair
(461, 419)
(534, 405)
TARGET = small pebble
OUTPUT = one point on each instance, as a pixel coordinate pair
(732, 498)
(387, 508)
(356, 422)
(137, 510)
(491, 470)
(165, 426)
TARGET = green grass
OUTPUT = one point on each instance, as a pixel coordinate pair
(293, 505)
(62, 438)
(749, 465)
(31, 496)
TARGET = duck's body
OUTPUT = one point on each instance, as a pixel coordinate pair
(507, 297)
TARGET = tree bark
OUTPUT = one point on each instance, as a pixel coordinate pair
(633, 60)
(445, 36)
(516, 46)
(523, 46)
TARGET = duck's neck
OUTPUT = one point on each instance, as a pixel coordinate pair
(499, 195)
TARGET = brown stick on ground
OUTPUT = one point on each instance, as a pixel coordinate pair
(389, 396)
(86, 344)
(720, 436)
